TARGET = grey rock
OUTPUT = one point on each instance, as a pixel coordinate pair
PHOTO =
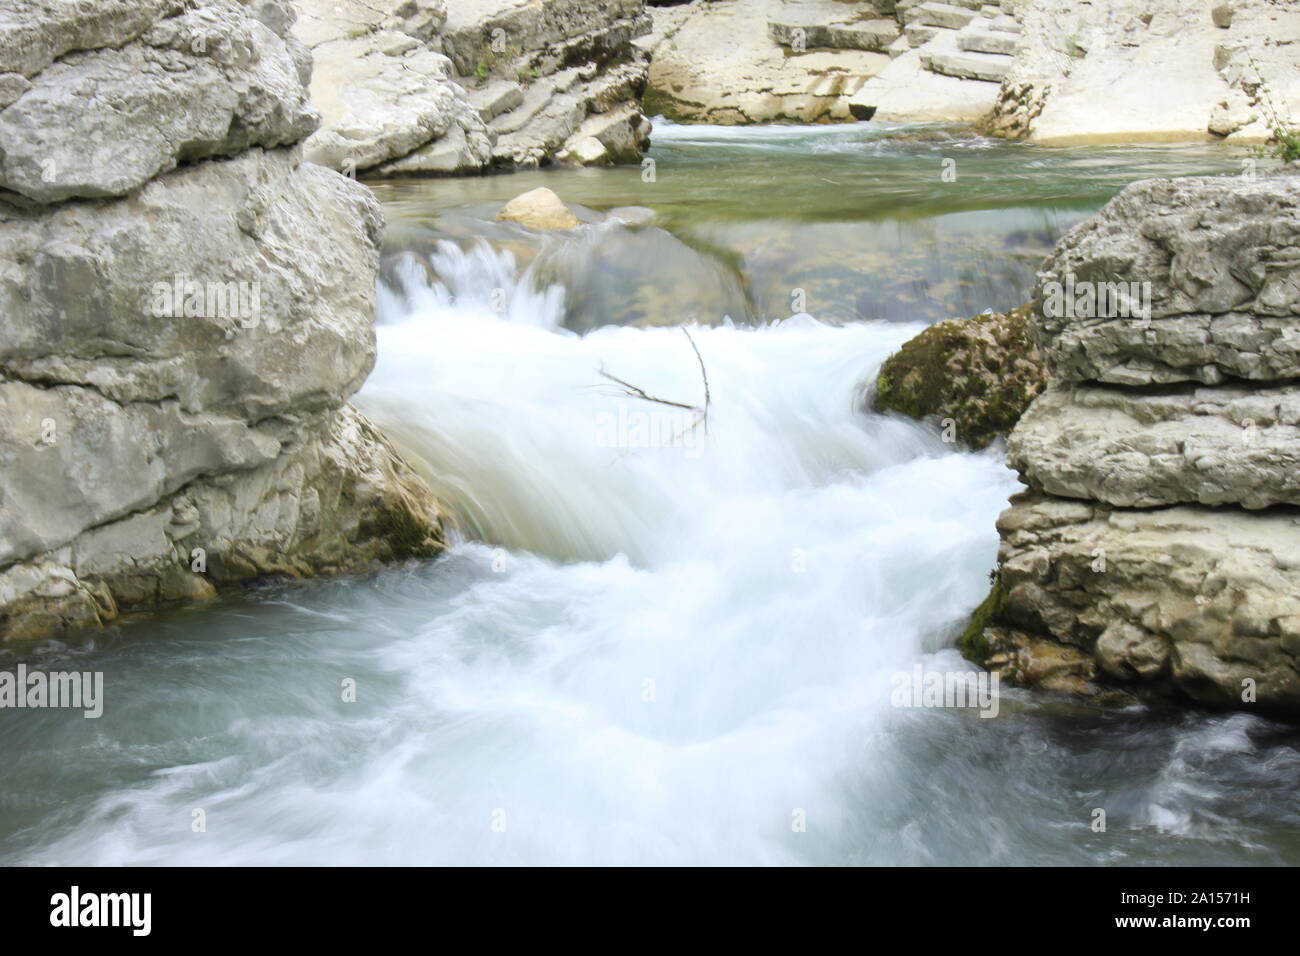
(1221, 257)
(948, 15)
(35, 33)
(84, 289)
(1212, 446)
(977, 40)
(1185, 599)
(945, 56)
(211, 81)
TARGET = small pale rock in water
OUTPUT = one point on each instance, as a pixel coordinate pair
(539, 208)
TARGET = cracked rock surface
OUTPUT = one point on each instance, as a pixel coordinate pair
(1157, 550)
(185, 308)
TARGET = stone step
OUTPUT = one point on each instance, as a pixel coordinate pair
(943, 56)
(943, 15)
(898, 47)
(873, 35)
(1005, 24)
(535, 99)
(918, 34)
(975, 39)
(989, 12)
(496, 98)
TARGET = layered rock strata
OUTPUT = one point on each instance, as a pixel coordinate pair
(185, 307)
(426, 87)
(1158, 545)
(760, 61)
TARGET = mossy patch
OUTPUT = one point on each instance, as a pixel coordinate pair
(972, 643)
(981, 373)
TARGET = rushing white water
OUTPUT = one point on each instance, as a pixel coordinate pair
(673, 643)
(717, 628)
(658, 639)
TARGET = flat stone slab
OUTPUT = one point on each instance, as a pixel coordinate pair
(873, 35)
(918, 34)
(976, 40)
(942, 55)
(496, 98)
(943, 15)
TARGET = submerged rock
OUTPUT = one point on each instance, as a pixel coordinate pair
(980, 373)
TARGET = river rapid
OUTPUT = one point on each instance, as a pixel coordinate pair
(662, 636)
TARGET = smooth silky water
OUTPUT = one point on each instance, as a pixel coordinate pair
(657, 639)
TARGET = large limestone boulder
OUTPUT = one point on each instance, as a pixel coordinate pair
(175, 361)
(1199, 602)
(1157, 548)
(88, 294)
(103, 120)
(1218, 260)
(1210, 446)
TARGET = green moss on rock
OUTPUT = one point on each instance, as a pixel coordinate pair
(972, 643)
(981, 373)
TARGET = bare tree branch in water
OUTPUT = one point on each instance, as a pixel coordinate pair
(704, 374)
(701, 411)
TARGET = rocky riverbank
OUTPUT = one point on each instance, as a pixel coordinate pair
(185, 307)
(427, 87)
(1049, 71)
(1157, 548)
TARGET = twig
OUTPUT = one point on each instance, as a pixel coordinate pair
(704, 374)
(635, 391)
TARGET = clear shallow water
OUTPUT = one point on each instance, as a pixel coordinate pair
(859, 217)
(653, 644)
